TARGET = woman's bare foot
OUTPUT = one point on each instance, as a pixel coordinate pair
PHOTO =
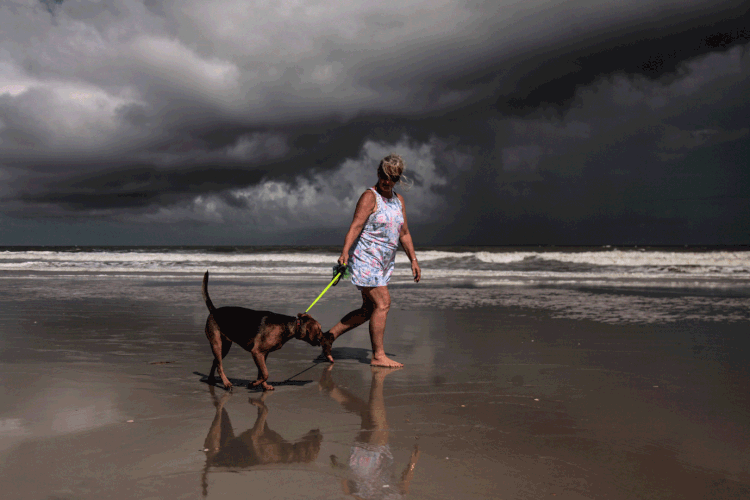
(327, 344)
(385, 361)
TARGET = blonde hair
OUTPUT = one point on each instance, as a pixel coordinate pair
(393, 165)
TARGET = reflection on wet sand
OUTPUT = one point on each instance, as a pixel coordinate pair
(370, 462)
(256, 446)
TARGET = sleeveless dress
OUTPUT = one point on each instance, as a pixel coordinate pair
(374, 255)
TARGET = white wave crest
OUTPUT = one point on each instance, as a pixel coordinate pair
(164, 257)
(636, 258)
(436, 264)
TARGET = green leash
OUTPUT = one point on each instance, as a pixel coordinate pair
(338, 272)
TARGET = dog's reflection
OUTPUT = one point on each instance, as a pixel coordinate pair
(370, 461)
(258, 445)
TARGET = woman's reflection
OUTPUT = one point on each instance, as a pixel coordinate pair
(256, 446)
(370, 461)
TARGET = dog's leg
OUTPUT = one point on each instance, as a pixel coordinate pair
(220, 345)
(260, 361)
(226, 344)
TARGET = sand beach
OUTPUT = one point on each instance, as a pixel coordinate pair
(548, 393)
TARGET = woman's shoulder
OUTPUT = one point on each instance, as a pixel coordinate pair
(368, 199)
(368, 194)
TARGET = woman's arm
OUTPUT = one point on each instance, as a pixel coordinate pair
(365, 206)
(405, 239)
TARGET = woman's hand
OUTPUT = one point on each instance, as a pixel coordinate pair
(416, 271)
(343, 258)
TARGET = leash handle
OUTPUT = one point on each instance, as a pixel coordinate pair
(335, 278)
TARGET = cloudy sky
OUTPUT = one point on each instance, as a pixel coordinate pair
(132, 122)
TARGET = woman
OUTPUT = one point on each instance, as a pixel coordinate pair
(378, 225)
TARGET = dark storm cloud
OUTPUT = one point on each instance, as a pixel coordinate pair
(655, 49)
(532, 116)
(51, 5)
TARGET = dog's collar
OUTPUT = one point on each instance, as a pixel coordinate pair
(298, 323)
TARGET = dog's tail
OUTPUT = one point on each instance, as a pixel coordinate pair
(204, 290)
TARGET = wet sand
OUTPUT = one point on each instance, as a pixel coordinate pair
(104, 396)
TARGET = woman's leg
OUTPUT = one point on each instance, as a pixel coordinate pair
(381, 299)
(354, 318)
(348, 322)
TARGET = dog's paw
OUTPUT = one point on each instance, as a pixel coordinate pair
(257, 383)
(266, 386)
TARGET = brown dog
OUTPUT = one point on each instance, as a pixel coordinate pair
(259, 332)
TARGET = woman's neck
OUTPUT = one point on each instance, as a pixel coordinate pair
(385, 194)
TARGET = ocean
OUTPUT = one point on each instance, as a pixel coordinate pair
(482, 266)
(607, 284)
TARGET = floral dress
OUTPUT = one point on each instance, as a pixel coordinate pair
(374, 255)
